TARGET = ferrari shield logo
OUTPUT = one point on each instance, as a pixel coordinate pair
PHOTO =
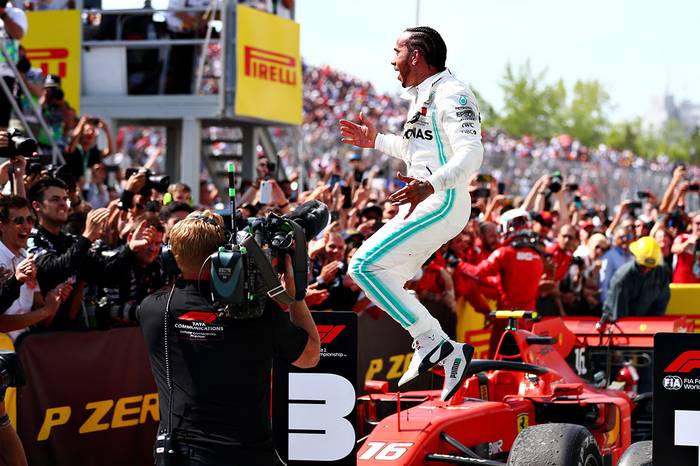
(523, 421)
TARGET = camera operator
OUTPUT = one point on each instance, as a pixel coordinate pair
(13, 26)
(219, 367)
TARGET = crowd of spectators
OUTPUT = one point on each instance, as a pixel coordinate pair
(540, 210)
(607, 199)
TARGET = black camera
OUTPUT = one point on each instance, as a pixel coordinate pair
(153, 181)
(18, 144)
(555, 182)
(11, 372)
(243, 275)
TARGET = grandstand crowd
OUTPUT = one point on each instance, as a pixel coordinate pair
(81, 242)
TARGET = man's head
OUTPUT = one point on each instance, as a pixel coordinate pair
(98, 173)
(647, 253)
(542, 223)
(88, 137)
(334, 247)
(147, 225)
(419, 52)
(622, 237)
(172, 214)
(195, 238)
(138, 205)
(488, 233)
(597, 245)
(263, 167)
(180, 192)
(16, 222)
(49, 200)
(567, 238)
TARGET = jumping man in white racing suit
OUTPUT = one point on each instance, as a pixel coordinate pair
(441, 146)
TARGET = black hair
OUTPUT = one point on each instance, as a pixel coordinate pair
(430, 44)
(169, 210)
(36, 192)
(11, 202)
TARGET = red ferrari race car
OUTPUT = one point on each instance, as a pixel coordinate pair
(526, 407)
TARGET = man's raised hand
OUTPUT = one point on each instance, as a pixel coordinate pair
(362, 135)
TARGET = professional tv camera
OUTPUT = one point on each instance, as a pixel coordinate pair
(243, 272)
(18, 144)
(153, 180)
(11, 372)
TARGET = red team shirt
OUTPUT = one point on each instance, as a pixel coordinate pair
(562, 261)
(683, 272)
(520, 271)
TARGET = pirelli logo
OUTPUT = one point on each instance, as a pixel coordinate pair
(51, 61)
(270, 66)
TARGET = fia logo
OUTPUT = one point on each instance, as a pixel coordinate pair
(672, 382)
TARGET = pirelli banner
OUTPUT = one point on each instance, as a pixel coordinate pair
(90, 399)
(268, 67)
(53, 44)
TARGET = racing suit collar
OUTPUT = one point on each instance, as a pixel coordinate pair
(420, 92)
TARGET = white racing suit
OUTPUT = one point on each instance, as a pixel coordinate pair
(441, 143)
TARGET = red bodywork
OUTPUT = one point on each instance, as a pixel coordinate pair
(489, 411)
(629, 332)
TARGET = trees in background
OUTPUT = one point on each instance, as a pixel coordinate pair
(540, 109)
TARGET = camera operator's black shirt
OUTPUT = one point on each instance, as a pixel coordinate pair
(220, 367)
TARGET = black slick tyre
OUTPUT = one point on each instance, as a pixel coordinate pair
(555, 445)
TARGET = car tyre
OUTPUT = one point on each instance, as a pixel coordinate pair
(638, 454)
(555, 445)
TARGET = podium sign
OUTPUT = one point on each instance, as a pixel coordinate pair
(677, 399)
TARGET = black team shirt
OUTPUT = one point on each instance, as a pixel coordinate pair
(220, 368)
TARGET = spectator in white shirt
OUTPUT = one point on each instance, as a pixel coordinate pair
(30, 308)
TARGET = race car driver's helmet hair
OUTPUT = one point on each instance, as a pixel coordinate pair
(647, 252)
(514, 221)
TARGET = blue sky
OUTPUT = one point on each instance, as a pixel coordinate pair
(637, 49)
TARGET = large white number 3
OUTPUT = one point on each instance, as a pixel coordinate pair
(332, 398)
(390, 452)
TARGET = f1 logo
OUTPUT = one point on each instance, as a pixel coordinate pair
(686, 362)
(328, 333)
(686, 429)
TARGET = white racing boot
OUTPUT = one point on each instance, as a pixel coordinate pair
(455, 365)
(430, 349)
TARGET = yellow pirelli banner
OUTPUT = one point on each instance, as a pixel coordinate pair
(268, 67)
(53, 44)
